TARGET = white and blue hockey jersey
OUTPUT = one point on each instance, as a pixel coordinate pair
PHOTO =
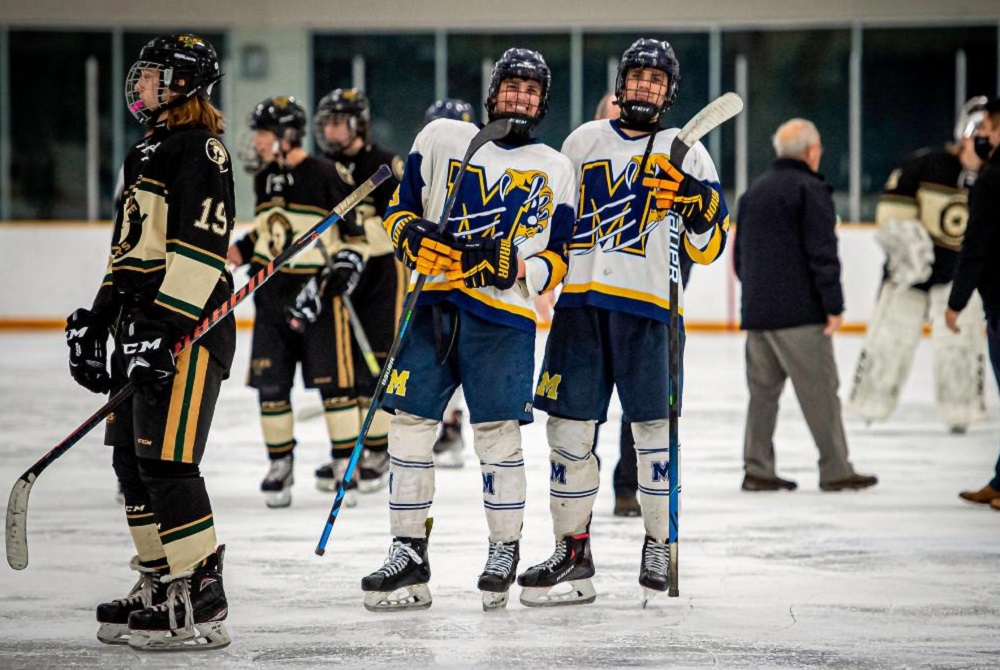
(525, 193)
(620, 251)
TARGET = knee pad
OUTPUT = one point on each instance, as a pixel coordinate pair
(574, 438)
(411, 438)
(652, 449)
(153, 468)
(497, 441)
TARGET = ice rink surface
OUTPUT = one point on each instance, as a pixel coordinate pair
(904, 575)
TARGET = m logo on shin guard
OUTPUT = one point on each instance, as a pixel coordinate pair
(661, 471)
(397, 383)
(548, 386)
(488, 483)
(557, 473)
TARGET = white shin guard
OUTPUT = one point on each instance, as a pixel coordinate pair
(573, 474)
(959, 360)
(652, 451)
(498, 445)
(411, 473)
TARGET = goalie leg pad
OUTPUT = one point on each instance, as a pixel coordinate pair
(411, 473)
(652, 449)
(884, 364)
(498, 445)
(959, 361)
(573, 474)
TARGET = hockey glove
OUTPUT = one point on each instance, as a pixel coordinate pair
(307, 305)
(88, 354)
(423, 249)
(486, 262)
(347, 268)
(149, 357)
(675, 189)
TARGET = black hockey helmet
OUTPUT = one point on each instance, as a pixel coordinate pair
(523, 64)
(656, 55)
(349, 102)
(187, 65)
(452, 108)
(283, 115)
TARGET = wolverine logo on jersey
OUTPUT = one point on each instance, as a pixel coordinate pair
(518, 206)
(616, 212)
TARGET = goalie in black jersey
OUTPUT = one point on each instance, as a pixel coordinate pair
(166, 273)
(300, 316)
(343, 133)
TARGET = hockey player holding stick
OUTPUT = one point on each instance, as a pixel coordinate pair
(343, 132)
(474, 325)
(611, 323)
(922, 213)
(295, 190)
(166, 272)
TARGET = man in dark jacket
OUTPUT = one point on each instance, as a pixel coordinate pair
(977, 264)
(786, 258)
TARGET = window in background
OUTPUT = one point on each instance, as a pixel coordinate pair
(49, 125)
(908, 93)
(794, 73)
(399, 79)
(465, 57)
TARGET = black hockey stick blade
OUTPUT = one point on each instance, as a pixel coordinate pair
(712, 115)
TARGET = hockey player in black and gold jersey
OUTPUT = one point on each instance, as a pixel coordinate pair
(166, 272)
(342, 131)
(922, 213)
(300, 318)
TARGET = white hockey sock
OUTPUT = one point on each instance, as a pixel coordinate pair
(652, 450)
(498, 445)
(411, 473)
(573, 474)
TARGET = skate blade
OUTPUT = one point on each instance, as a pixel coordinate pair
(203, 636)
(578, 592)
(113, 633)
(414, 597)
(495, 601)
(647, 595)
(373, 485)
(278, 499)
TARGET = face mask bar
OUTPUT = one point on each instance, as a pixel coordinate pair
(133, 97)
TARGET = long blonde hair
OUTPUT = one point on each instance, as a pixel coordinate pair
(197, 111)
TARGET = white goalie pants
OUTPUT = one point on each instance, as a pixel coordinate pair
(891, 342)
(411, 475)
(574, 477)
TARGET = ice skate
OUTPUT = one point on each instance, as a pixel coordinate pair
(277, 484)
(113, 616)
(401, 583)
(329, 476)
(449, 445)
(499, 573)
(374, 467)
(654, 573)
(191, 617)
(564, 579)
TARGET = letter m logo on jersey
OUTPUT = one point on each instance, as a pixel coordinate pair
(661, 471)
(557, 473)
(397, 383)
(488, 483)
(548, 386)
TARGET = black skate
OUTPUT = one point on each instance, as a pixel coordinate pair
(329, 476)
(654, 573)
(564, 579)
(499, 573)
(192, 615)
(374, 467)
(113, 616)
(401, 582)
(277, 484)
(449, 444)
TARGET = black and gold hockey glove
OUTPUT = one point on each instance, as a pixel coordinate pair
(148, 348)
(88, 354)
(485, 262)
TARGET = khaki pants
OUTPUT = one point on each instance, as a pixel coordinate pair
(805, 355)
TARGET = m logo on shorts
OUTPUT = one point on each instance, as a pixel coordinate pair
(661, 471)
(488, 483)
(397, 383)
(557, 473)
(548, 386)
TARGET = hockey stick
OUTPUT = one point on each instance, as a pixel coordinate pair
(712, 115)
(492, 131)
(356, 326)
(17, 505)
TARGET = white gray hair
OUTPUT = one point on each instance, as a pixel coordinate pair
(793, 137)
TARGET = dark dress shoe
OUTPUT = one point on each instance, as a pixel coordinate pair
(855, 482)
(983, 496)
(995, 504)
(751, 483)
